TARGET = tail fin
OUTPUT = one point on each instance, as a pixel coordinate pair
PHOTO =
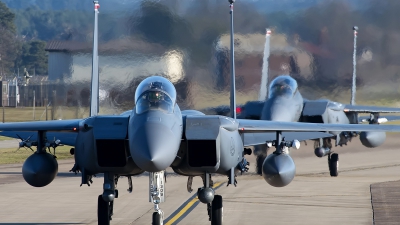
(94, 96)
(263, 94)
(353, 86)
(233, 88)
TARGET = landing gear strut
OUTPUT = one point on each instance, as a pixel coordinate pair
(157, 195)
(207, 195)
(105, 203)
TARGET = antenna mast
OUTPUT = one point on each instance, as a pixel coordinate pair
(353, 86)
(94, 93)
(233, 88)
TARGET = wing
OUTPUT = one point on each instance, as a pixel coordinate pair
(66, 138)
(362, 119)
(261, 126)
(251, 139)
(52, 125)
(64, 130)
(370, 109)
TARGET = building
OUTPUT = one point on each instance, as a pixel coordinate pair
(121, 63)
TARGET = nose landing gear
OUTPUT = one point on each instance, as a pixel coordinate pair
(157, 195)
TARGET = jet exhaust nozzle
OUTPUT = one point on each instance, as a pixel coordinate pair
(278, 169)
(372, 139)
(40, 169)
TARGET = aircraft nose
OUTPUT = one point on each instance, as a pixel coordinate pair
(152, 147)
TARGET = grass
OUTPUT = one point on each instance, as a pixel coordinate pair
(12, 155)
(2, 138)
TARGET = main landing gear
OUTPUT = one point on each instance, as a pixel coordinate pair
(333, 163)
(105, 203)
(323, 148)
(207, 196)
(157, 195)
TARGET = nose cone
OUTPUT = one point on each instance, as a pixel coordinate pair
(278, 170)
(154, 146)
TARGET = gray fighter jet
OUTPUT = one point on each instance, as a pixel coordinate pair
(285, 103)
(157, 135)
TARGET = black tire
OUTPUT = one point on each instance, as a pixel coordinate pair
(157, 220)
(334, 165)
(217, 210)
(103, 211)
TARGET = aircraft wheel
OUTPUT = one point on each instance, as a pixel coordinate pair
(157, 219)
(334, 165)
(103, 211)
(217, 210)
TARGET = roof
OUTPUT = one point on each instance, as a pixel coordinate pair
(115, 46)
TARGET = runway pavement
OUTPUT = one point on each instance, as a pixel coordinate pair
(312, 198)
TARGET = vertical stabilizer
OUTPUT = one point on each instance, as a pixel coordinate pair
(263, 94)
(233, 88)
(94, 92)
(353, 86)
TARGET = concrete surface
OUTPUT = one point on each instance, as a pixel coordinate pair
(312, 198)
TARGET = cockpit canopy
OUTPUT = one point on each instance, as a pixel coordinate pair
(283, 86)
(155, 93)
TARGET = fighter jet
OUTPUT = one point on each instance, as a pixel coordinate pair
(157, 135)
(285, 103)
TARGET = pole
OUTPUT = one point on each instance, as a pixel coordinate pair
(54, 105)
(34, 104)
(233, 88)
(353, 87)
(16, 92)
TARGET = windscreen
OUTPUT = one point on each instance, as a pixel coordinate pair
(155, 93)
